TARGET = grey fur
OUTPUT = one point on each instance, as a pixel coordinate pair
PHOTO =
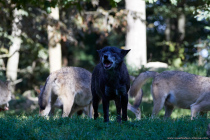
(176, 88)
(5, 95)
(69, 85)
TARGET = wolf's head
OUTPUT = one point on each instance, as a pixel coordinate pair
(4, 107)
(111, 57)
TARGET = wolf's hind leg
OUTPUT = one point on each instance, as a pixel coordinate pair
(168, 110)
(96, 100)
(159, 98)
(67, 104)
(194, 110)
(76, 108)
(88, 110)
(203, 114)
(158, 105)
(202, 104)
(199, 107)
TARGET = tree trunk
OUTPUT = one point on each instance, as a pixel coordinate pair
(13, 61)
(54, 37)
(167, 35)
(168, 30)
(181, 27)
(136, 33)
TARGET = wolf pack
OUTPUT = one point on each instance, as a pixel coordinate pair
(76, 90)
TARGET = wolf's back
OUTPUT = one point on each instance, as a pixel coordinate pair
(66, 76)
(139, 82)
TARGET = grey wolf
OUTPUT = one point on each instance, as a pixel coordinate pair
(58, 104)
(175, 88)
(110, 81)
(5, 96)
(71, 87)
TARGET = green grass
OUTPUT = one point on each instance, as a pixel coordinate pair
(34, 127)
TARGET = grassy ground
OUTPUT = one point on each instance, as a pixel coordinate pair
(34, 127)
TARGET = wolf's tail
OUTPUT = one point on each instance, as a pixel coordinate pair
(139, 82)
(46, 92)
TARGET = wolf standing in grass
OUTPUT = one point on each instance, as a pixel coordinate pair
(110, 81)
(71, 86)
(176, 88)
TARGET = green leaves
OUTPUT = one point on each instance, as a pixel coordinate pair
(203, 13)
(174, 2)
(113, 3)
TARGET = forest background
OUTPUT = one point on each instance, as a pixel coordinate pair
(177, 33)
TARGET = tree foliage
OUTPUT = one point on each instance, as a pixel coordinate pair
(86, 27)
(173, 51)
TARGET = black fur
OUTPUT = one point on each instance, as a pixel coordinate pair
(111, 82)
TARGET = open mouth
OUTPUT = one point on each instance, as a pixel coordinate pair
(4, 109)
(107, 64)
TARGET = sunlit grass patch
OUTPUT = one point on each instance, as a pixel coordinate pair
(35, 127)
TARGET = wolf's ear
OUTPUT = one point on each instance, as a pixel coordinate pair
(37, 91)
(124, 52)
(99, 52)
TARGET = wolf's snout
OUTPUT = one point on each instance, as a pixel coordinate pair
(105, 56)
(107, 63)
(42, 107)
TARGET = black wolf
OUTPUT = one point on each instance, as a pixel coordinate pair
(110, 81)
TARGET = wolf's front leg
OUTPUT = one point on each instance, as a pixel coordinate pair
(118, 108)
(122, 92)
(124, 103)
(105, 103)
(96, 100)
